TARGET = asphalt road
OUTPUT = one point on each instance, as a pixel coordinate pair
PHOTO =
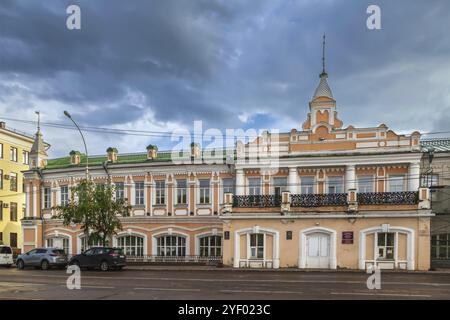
(223, 284)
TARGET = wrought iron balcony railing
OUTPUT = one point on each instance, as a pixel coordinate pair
(405, 197)
(318, 200)
(258, 201)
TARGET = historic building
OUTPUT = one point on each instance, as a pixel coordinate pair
(15, 148)
(322, 196)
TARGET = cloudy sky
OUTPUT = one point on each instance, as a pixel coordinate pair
(160, 65)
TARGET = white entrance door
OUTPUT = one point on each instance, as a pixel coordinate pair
(318, 250)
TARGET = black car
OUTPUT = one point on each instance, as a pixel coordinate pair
(104, 258)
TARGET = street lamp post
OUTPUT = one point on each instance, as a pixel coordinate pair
(67, 114)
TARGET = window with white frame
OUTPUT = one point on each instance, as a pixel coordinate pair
(211, 246)
(139, 193)
(13, 154)
(1, 150)
(1, 179)
(205, 190)
(396, 183)
(366, 184)
(13, 181)
(256, 246)
(228, 186)
(85, 245)
(60, 243)
(25, 157)
(181, 191)
(160, 192)
(254, 186)
(120, 190)
(47, 198)
(171, 246)
(279, 185)
(307, 185)
(429, 180)
(386, 245)
(64, 195)
(131, 245)
(335, 184)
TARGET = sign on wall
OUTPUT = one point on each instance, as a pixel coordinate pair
(347, 237)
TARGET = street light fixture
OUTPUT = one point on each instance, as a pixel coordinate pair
(67, 114)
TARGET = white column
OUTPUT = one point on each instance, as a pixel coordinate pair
(237, 250)
(240, 190)
(133, 193)
(414, 176)
(35, 195)
(350, 178)
(292, 181)
(58, 195)
(276, 250)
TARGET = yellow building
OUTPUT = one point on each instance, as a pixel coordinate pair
(15, 148)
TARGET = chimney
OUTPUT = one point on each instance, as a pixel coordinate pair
(152, 152)
(2, 125)
(195, 150)
(75, 157)
(112, 154)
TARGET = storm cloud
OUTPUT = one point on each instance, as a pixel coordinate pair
(161, 65)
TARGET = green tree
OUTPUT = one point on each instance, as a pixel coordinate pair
(95, 209)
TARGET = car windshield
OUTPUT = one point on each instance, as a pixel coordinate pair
(5, 250)
(59, 252)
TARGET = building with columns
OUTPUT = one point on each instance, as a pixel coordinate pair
(322, 196)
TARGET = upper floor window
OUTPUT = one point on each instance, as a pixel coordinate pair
(13, 181)
(160, 193)
(25, 157)
(228, 186)
(1, 210)
(139, 193)
(64, 195)
(429, 180)
(204, 191)
(280, 185)
(181, 191)
(1, 179)
(307, 185)
(1, 150)
(254, 186)
(335, 184)
(47, 197)
(396, 183)
(120, 190)
(365, 184)
(13, 154)
(13, 211)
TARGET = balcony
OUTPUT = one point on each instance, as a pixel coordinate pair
(318, 200)
(257, 201)
(374, 198)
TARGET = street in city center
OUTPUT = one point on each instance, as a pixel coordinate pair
(220, 284)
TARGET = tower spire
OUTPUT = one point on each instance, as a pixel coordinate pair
(39, 120)
(323, 56)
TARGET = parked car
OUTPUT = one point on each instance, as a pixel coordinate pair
(103, 258)
(45, 258)
(6, 256)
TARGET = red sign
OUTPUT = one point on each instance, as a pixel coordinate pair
(347, 237)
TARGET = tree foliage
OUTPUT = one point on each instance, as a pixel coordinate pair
(95, 209)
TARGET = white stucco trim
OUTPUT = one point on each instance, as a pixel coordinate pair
(131, 232)
(58, 234)
(198, 236)
(257, 229)
(302, 245)
(410, 233)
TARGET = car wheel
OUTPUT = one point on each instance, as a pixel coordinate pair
(104, 266)
(20, 264)
(45, 265)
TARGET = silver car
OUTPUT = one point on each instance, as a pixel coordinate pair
(45, 258)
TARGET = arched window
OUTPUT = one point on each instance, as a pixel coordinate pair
(131, 245)
(59, 242)
(171, 246)
(85, 245)
(211, 246)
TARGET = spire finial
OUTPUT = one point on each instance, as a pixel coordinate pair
(323, 56)
(39, 120)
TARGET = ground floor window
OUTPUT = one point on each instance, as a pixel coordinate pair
(61, 243)
(131, 245)
(257, 246)
(85, 245)
(386, 245)
(211, 246)
(171, 246)
(440, 246)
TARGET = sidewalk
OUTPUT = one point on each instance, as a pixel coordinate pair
(230, 269)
